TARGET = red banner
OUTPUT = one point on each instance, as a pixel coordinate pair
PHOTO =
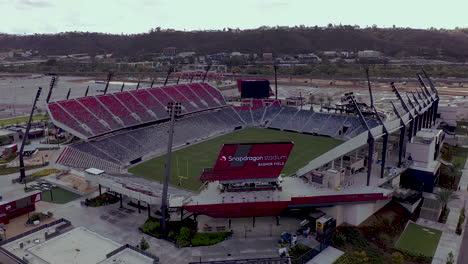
(249, 161)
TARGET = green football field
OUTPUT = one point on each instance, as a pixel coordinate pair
(190, 161)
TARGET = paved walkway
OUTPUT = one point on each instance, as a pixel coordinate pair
(122, 227)
(463, 187)
(450, 241)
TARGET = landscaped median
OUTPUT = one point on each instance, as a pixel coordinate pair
(184, 233)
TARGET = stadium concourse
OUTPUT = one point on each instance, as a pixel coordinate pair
(121, 129)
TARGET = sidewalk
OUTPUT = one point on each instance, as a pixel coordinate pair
(450, 241)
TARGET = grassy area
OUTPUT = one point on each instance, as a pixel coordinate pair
(204, 154)
(43, 173)
(5, 170)
(59, 195)
(419, 240)
(19, 120)
(459, 160)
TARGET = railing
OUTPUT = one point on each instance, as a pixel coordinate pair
(11, 256)
(278, 260)
(122, 248)
(32, 231)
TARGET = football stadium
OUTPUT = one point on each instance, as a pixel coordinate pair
(256, 156)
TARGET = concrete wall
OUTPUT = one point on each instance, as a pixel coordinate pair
(357, 213)
(422, 154)
(353, 214)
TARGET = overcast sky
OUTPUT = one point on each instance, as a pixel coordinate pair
(137, 16)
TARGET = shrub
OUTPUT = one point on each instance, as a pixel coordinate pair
(208, 239)
(386, 240)
(183, 239)
(151, 227)
(298, 250)
(143, 244)
(398, 258)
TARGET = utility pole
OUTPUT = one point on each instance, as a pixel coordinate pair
(25, 137)
(174, 109)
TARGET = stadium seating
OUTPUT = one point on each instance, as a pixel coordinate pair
(271, 112)
(102, 114)
(118, 109)
(97, 115)
(75, 158)
(283, 117)
(151, 103)
(315, 123)
(192, 97)
(95, 107)
(213, 92)
(64, 118)
(204, 95)
(134, 106)
(84, 116)
(333, 125)
(120, 149)
(177, 97)
(245, 114)
(299, 120)
(257, 115)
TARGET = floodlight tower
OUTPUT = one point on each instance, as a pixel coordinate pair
(25, 137)
(174, 109)
(275, 67)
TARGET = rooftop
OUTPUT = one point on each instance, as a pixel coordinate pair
(79, 245)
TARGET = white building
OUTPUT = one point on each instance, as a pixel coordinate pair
(369, 54)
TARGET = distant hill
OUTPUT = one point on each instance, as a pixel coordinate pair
(450, 44)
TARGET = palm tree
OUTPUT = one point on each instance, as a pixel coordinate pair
(312, 99)
(445, 196)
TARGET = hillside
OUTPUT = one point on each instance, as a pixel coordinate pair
(392, 42)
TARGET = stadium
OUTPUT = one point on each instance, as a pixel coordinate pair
(346, 160)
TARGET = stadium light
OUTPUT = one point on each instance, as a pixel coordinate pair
(174, 109)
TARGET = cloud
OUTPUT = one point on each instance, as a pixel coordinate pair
(33, 3)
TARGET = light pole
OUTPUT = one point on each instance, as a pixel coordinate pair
(173, 109)
(22, 177)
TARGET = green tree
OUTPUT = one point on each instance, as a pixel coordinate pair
(311, 99)
(321, 100)
(445, 196)
(450, 258)
(144, 245)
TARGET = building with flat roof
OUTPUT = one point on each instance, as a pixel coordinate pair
(58, 243)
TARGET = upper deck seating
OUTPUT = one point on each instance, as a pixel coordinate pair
(101, 114)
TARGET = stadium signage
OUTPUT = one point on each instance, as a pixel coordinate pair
(249, 160)
(254, 159)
